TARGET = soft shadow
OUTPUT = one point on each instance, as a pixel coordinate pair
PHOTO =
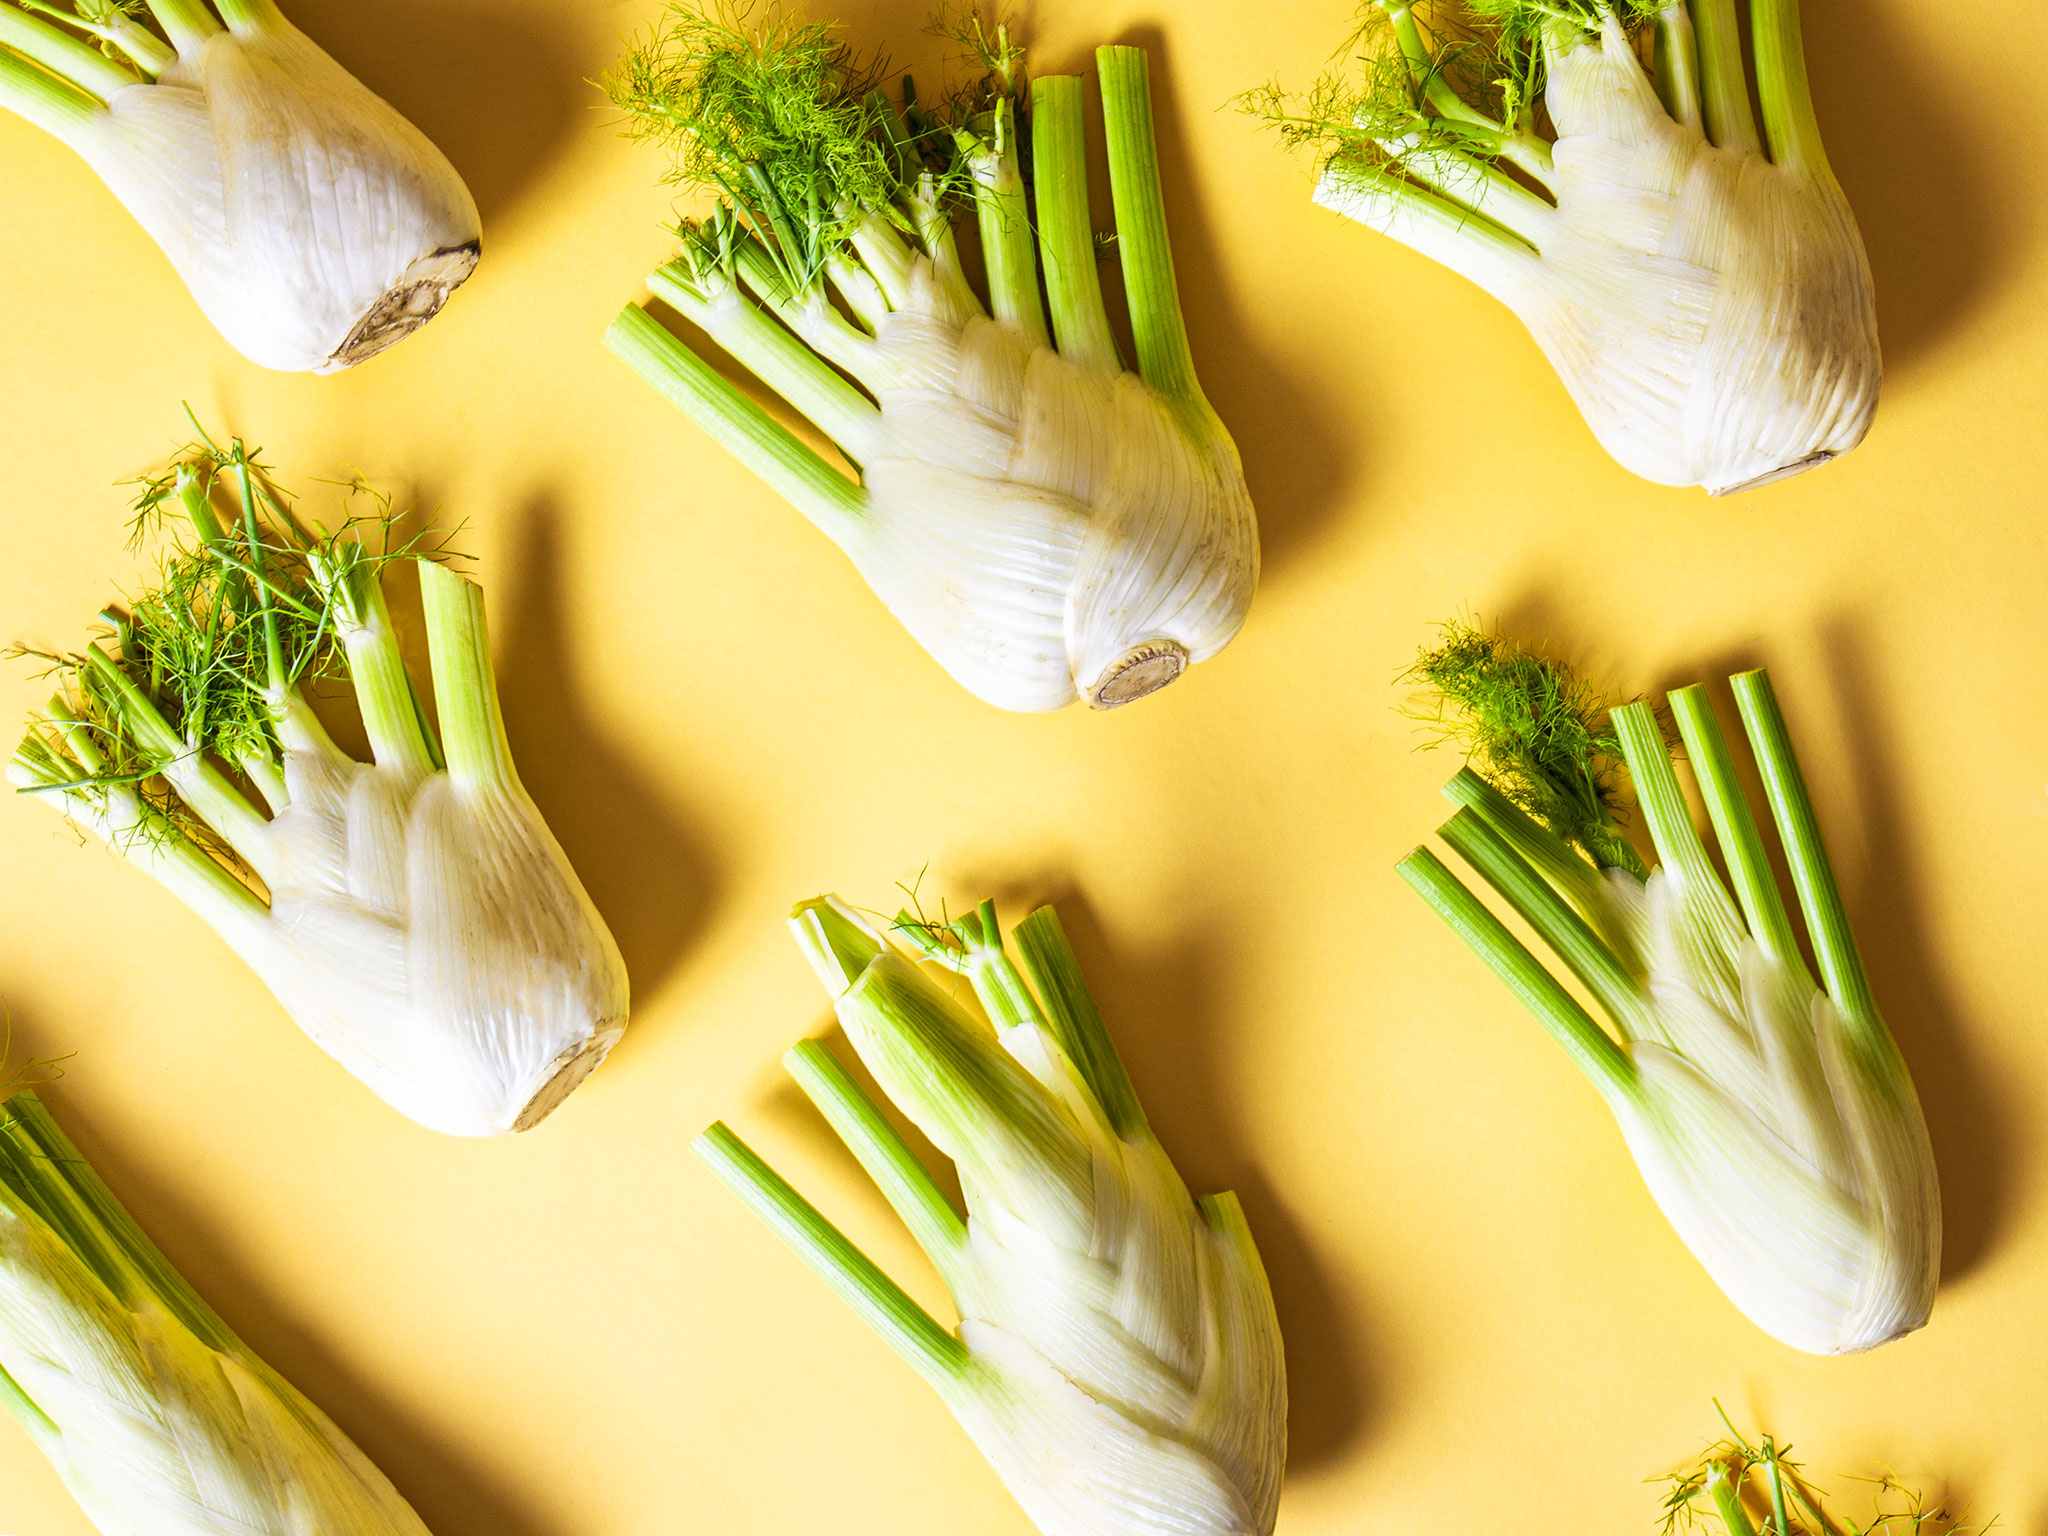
(499, 90)
(1299, 470)
(1162, 1017)
(653, 880)
(1931, 200)
(1972, 1142)
(452, 1495)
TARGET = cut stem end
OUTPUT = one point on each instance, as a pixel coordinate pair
(1142, 669)
(567, 1074)
(410, 303)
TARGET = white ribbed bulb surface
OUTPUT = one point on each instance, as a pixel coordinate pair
(1798, 1173)
(312, 222)
(431, 936)
(1048, 532)
(156, 1433)
(1126, 1375)
(1710, 312)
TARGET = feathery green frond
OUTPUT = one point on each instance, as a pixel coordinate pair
(1538, 731)
(778, 118)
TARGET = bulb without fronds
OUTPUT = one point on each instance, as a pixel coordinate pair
(1117, 1358)
(1047, 523)
(413, 913)
(1699, 286)
(1771, 1115)
(158, 1418)
(313, 223)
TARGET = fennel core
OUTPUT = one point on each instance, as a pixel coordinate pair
(157, 1417)
(1046, 523)
(413, 914)
(314, 225)
(1118, 1359)
(1770, 1114)
(1697, 281)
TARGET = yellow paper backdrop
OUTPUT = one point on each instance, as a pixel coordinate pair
(577, 1332)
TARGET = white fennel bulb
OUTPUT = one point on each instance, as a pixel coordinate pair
(313, 223)
(1117, 1359)
(1701, 289)
(1771, 1115)
(1048, 524)
(413, 913)
(159, 1420)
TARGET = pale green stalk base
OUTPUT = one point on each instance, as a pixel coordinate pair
(795, 471)
(883, 1304)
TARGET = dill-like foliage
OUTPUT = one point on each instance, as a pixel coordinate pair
(1541, 734)
(1434, 84)
(248, 605)
(776, 117)
(1790, 1505)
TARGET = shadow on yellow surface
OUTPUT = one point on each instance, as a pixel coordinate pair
(654, 882)
(498, 88)
(1971, 1142)
(1939, 236)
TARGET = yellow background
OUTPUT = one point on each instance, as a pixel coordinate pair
(577, 1332)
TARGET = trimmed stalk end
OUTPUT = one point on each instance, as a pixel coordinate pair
(1143, 669)
(410, 303)
(566, 1075)
(838, 944)
(1772, 476)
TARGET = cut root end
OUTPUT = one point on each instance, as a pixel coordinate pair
(571, 1067)
(412, 301)
(1782, 472)
(1141, 670)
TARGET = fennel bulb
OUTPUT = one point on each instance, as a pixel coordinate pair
(1701, 290)
(1771, 1116)
(413, 913)
(160, 1421)
(314, 225)
(1118, 1359)
(1046, 523)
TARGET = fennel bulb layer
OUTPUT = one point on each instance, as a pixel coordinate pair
(1770, 1113)
(413, 913)
(1117, 1359)
(1048, 524)
(1705, 298)
(314, 225)
(159, 1420)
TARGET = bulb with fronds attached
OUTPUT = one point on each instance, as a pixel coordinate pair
(313, 223)
(1117, 1359)
(1699, 286)
(1048, 524)
(157, 1417)
(414, 914)
(1770, 1114)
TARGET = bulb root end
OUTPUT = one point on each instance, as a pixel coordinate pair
(1142, 669)
(410, 303)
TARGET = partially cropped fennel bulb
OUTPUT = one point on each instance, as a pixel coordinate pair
(1117, 1359)
(1771, 1115)
(1701, 290)
(412, 913)
(314, 225)
(1047, 524)
(160, 1421)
